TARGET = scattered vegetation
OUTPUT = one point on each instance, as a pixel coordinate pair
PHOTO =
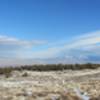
(90, 89)
(6, 71)
(48, 67)
(57, 67)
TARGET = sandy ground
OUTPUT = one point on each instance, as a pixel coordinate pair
(60, 85)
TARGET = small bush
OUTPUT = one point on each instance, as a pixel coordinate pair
(25, 74)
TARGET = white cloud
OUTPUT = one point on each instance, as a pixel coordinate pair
(12, 47)
(5, 40)
(77, 50)
(80, 43)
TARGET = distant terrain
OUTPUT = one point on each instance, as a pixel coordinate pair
(50, 82)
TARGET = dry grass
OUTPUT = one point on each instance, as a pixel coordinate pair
(53, 85)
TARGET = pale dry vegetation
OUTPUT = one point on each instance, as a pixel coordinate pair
(71, 84)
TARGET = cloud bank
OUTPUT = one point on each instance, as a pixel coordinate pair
(15, 48)
(81, 49)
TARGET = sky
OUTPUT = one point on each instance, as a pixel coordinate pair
(49, 31)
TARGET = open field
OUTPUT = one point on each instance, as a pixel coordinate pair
(53, 85)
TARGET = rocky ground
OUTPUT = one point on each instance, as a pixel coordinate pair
(53, 85)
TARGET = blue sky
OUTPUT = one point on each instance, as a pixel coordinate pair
(44, 30)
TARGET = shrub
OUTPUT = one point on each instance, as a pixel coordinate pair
(25, 74)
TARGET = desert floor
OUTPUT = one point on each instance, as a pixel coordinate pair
(53, 85)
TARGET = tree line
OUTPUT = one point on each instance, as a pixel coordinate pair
(49, 67)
